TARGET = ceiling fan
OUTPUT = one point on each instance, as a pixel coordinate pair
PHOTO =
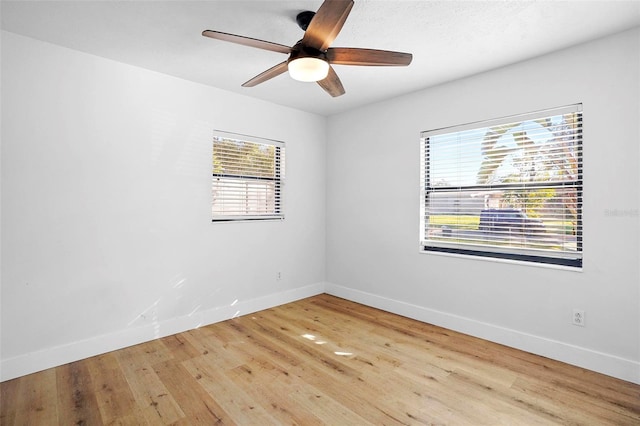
(311, 58)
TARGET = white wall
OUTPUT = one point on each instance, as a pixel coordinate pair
(373, 211)
(107, 237)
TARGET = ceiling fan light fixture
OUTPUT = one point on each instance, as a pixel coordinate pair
(308, 69)
(311, 58)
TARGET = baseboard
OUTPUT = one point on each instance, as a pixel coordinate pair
(60, 355)
(600, 362)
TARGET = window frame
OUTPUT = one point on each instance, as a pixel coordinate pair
(278, 179)
(568, 259)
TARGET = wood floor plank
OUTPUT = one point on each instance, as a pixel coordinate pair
(198, 406)
(269, 388)
(77, 402)
(207, 342)
(180, 347)
(241, 408)
(552, 398)
(249, 341)
(37, 399)
(9, 397)
(298, 345)
(113, 394)
(320, 360)
(152, 398)
(325, 409)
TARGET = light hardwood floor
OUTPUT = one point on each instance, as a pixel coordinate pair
(321, 360)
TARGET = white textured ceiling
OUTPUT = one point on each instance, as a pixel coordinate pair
(448, 39)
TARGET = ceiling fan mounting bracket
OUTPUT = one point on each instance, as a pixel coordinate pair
(304, 18)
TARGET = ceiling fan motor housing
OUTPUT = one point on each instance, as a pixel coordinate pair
(299, 50)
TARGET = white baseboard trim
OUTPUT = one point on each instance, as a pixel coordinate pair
(600, 362)
(52, 357)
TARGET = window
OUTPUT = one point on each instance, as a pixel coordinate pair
(508, 188)
(248, 175)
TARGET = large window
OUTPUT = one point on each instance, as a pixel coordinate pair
(508, 188)
(248, 175)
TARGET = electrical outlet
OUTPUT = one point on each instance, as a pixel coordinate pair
(278, 276)
(578, 317)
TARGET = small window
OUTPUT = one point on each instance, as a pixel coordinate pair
(508, 188)
(248, 175)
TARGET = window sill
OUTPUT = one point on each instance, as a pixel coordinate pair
(499, 260)
(265, 219)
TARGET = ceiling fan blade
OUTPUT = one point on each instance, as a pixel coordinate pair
(355, 56)
(327, 23)
(267, 75)
(247, 41)
(332, 84)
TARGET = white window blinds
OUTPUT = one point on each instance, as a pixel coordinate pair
(248, 178)
(508, 188)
